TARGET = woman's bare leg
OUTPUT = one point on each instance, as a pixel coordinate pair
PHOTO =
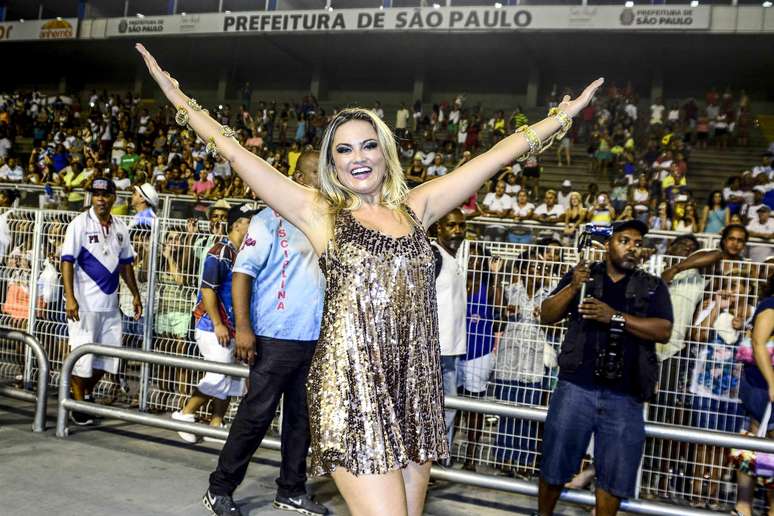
(372, 495)
(415, 478)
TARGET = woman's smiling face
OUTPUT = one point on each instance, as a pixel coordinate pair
(358, 158)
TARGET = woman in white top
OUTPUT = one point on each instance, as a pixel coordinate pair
(497, 204)
(575, 215)
(639, 193)
(119, 147)
(521, 211)
(512, 186)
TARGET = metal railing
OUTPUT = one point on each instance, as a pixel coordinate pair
(516, 486)
(170, 205)
(66, 403)
(40, 399)
(536, 228)
(168, 263)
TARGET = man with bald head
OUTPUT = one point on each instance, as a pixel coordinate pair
(450, 285)
(277, 291)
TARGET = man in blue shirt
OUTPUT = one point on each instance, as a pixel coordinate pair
(145, 202)
(214, 316)
(278, 298)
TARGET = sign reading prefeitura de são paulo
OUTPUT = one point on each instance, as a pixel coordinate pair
(41, 30)
(444, 19)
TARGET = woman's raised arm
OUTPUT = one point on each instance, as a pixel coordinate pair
(432, 200)
(298, 204)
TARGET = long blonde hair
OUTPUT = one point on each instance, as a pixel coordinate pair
(394, 188)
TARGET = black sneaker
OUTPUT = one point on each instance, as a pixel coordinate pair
(304, 504)
(220, 505)
(81, 419)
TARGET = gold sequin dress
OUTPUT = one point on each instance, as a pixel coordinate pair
(374, 390)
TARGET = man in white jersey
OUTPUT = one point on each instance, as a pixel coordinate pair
(450, 285)
(95, 252)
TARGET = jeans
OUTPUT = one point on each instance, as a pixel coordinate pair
(617, 422)
(516, 441)
(520, 238)
(280, 368)
(449, 374)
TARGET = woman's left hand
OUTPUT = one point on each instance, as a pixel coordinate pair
(574, 106)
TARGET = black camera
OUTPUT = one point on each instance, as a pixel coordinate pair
(609, 364)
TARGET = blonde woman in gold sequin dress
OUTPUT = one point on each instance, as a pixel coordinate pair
(374, 388)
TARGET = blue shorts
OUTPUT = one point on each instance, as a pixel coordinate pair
(617, 422)
(717, 415)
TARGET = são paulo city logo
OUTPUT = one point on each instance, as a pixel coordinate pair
(627, 17)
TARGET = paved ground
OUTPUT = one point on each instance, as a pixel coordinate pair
(132, 470)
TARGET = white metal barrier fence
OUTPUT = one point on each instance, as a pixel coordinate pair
(473, 406)
(519, 370)
(40, 398)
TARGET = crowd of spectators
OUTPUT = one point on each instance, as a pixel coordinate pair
(639, 165)
(645, 160)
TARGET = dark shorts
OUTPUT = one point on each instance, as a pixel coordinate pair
(531, 172)
(754, 400)
(717, 415)
(615, 420)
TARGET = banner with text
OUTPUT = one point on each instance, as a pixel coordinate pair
(39, 30)
(444, 19)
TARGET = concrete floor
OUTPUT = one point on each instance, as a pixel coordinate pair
(132, 470)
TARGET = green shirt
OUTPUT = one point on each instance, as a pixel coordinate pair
(128, 162)
(519, 119)
(75, 181)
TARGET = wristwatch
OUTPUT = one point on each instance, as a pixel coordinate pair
(617, 322)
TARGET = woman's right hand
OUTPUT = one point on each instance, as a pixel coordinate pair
(162, 78)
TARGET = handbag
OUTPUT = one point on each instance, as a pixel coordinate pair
(756, 464)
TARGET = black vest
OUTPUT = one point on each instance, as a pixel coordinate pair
(639, 293)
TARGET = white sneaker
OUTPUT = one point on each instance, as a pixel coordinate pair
(188, 418)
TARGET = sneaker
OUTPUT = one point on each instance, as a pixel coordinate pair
(123, 385)
(304, 504)
(220, 505)
(188, 418)
(81, 419)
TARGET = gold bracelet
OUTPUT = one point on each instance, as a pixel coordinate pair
(563, 118)
(181, 117)
(193, 104)
(227, 131)
(211, 149)
(532, 140)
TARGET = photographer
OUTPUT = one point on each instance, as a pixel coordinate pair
(608, 368)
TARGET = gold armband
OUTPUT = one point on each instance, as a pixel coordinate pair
(181, 117)
(532, 140)
(211, 149)
(563, 118)
(193, 104)
(227, 131)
